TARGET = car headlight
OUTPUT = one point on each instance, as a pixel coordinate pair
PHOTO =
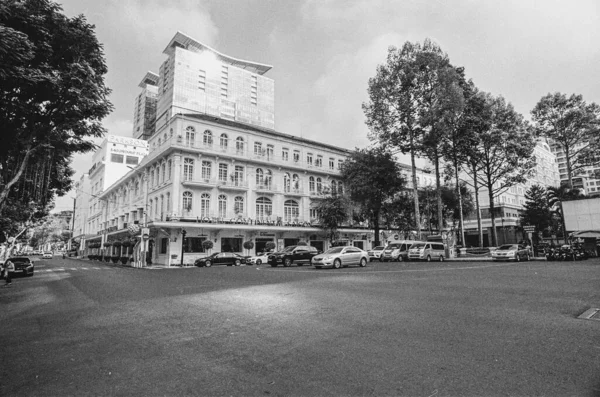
(511, 252)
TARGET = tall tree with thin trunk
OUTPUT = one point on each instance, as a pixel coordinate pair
(407, 99)
(573, 125)
(504, 152)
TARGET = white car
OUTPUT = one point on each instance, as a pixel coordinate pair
(375, 253)
(47, 255)
(258, 260)
(337, 257)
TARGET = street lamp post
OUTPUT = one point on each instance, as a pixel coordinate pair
(183, 233)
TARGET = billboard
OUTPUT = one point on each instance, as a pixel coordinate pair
(582, 214)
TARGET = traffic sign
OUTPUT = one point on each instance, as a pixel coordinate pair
(529, 228)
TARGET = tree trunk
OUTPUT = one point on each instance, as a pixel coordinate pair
(460, 207)
(492, 208)
(477, 207)
(376, 226)
(438, 195)
(569, 172)
(6, 190)
(415, 187)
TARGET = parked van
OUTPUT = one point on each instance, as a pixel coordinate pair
(427, 251)
(397, 251)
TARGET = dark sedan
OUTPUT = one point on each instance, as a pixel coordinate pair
(23, 265)
(221, 258)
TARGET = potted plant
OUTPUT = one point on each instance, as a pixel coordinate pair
(124, 259)
(269, 246)
(115, 258)
(207, 245)
(248, 245)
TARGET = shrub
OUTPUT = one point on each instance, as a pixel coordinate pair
(207, 244)
(270, 246)
(106, 258)
(115, 258)
(248, 245)
(124, 259)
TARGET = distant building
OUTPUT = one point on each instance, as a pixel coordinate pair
(116, 157)
(509, 204)
(144, 114)
(587, 179)
(82, 198)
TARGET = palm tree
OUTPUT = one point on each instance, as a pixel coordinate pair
(556, 196)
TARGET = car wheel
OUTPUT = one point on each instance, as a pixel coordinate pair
(441, 258)
(287, 262)
(381, 260)
(258, 262)
(363, 262)
(428, 258)
(238, 262)
(337, 264)
(208, 264)
(400, 258)
(517, 258)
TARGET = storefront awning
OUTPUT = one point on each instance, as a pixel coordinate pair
(586, 234)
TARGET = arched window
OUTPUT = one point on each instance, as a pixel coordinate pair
(222, 206)
(205, 205)
(258, 148)
(291, 211)
(171, 132)
(264, 207)
(157, 182)
(268, 179)
(165, 136)
(190, 136)
(151, 177)
(333, 188)
(208, 138)
(319, 185)
(188, 169)
(137, 188)
(238, 205)
(239, 145)
(150, 207)
(187, 202)
(260, 177)
(163, 169)
(311, 183)
(168, 207)
(286, 182)
(169, 169)
(157, 209)
(340, 188)
(206, 169)
(223, 141)
(296, 182)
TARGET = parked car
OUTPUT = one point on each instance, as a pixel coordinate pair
(23, 265)
(509, 252)
(337, 257)
(298, 254)
(375, 253)
(427, 251)
(397, 250)
(258, 259)
(220, 258)
(47, 255)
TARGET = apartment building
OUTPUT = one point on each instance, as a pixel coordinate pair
(144, 110)
(587, 179)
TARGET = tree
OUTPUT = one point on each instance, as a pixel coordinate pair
(572, 125)
(372, 177)
(536, 209)
(248, 245)
(52, 93)
(392, 110)
(504, 151)
(332, 211)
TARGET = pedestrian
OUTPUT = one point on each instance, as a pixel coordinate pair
(9, 270)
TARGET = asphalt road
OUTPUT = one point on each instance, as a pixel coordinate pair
(85, 328)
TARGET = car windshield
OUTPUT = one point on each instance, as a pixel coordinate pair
(289, 249)
(507, 247)
(417, 245)
(378, 248)
(334, 250)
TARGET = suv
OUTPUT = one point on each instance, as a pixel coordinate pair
(299, 254)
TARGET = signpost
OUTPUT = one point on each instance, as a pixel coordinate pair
(529, 229)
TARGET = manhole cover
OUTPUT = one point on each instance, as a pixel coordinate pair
(591, 314)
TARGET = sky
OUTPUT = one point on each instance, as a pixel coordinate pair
(323, 52)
